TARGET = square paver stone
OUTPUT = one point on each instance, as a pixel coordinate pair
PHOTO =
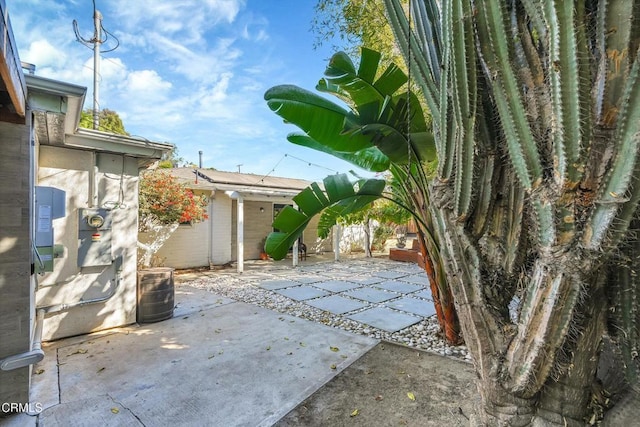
(425, 293)
(301, 293)
(413, 306)
(366, 280)
(385, 319)
(389, 274)
(409, 268)
(336, 304)
(418, 279)
(371, 294)
(336, 285)
(272, 285)
(306, 279)
(397, 286)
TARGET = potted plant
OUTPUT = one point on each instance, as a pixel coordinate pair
(263, 252)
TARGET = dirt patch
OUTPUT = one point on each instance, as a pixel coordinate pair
(392, 385)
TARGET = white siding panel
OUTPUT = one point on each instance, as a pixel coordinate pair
(221, 223)
(187, 247)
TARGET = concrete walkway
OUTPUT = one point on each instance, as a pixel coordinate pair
(216, 362)
(219, 362)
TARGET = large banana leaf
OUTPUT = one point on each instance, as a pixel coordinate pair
(376, 102)
(318, 117)
(370, 159)
(360, 85)
(339, 197)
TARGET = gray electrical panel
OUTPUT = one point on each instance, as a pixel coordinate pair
(94, 237)
(49, 205)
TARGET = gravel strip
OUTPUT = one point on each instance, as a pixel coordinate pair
(422, 335)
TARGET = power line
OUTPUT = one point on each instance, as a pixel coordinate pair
(311, 164)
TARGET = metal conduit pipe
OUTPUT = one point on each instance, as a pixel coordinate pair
(30, 357)
(56, 308)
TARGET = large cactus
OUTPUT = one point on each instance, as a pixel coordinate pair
(536, 112)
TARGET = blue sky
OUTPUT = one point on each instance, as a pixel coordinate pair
(189, 72)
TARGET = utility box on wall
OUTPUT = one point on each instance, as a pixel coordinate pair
(49, 205)
(94, 237)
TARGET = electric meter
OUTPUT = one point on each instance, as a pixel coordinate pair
(95, 220)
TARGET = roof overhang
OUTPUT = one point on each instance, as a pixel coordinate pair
(56, 109)
(104, 142)
(12, 83)
(257, 194)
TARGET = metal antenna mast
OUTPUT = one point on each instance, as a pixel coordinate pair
(96, 41)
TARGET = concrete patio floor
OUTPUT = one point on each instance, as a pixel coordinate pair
(220, 362)
(216, 362)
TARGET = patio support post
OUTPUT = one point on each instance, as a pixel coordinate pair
(295, 254)
(336, 242)
(240, 234)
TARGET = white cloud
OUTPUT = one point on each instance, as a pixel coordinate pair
(147, 82)
(200, 66)
(186, 19)
(44, 54)
(218, 92)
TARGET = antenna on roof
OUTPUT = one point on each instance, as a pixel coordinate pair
(96, 41)
(239, 167)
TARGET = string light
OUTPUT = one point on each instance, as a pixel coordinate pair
(295, 158)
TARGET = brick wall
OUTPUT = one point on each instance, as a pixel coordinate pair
(16, 289)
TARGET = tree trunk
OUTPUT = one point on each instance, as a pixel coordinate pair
(367, 237)
(539, 371)
(443, 304)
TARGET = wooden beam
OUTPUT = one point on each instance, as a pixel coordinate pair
(10, 66)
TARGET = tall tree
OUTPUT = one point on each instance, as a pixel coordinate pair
(351, 24)
(109, 121)
(536, 113)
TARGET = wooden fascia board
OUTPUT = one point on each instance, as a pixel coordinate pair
(10, 65)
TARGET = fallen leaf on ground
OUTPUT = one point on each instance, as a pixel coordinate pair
(39, 371)
(78, 351)
(354, 413)
(379, 397)
(334, 349)
(101, 369)
(115, 410)
(411, 396)
(333, 366)
(268, 348)
(302, 344)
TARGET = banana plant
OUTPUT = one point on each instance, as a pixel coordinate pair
(383, 128)
(536, 117)
(339, 197)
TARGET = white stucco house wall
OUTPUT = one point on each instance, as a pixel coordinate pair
(254, 199)
(91, 284)
(60, 274)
